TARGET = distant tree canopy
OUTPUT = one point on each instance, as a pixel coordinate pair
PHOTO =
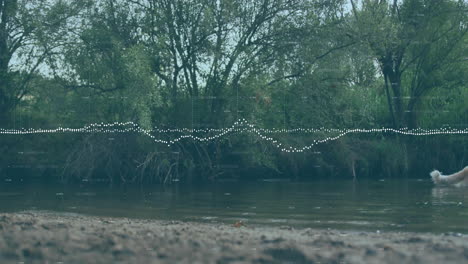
(31, 33)
(418, 45)
(207, 63)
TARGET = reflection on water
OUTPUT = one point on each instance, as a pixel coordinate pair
(449, 194)
(406, 205)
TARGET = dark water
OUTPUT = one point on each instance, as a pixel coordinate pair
(401, 205)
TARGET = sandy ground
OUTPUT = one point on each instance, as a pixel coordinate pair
(47, 237)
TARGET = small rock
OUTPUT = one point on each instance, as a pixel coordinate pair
(370, 252)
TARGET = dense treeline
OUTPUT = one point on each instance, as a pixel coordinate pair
(207, 63)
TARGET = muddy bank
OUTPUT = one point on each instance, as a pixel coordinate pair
(40, 237)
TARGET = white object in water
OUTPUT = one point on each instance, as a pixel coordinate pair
(459, 179)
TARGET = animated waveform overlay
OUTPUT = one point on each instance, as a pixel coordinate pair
(240, 126)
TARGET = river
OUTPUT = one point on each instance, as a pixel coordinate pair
(391, 205)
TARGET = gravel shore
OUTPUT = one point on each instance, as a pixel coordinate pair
(49, 237)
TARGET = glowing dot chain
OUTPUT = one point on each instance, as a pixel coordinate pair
(240, 126)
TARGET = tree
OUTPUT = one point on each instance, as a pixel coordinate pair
(30, 33)
(411, 40)
(200, 48)
(106, 63)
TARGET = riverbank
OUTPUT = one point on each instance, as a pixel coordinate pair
(40, 237)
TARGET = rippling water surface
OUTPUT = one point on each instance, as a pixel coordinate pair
(402, 205)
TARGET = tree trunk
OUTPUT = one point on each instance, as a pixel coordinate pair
(389, 101)
(395, 82)
(395, 102)
(8, 10)
(411, 115)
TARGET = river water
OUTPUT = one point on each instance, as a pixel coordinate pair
(397, 205)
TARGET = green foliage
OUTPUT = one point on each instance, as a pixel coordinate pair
(205, 64)
(417, 44)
